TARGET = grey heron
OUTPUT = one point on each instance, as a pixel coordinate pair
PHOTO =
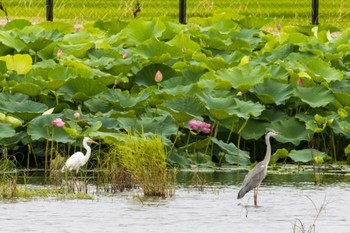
(254, 178)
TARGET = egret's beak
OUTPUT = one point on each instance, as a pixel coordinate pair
(92, 141)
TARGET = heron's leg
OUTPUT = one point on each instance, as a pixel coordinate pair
(256, 195)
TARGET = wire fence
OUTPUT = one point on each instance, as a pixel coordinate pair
(334, 12)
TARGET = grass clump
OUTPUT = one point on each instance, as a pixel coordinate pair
(144, 158)
(8, 179)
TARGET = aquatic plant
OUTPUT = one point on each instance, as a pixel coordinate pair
(154, 75)
(8, 178)
(144, 157)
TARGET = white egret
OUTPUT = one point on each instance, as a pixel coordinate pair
(254, 178)
(78, 159)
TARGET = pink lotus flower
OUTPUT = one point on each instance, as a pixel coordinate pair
(59, 53)
(76, 115)
(58, 122)
(199, 126)
(159, 76)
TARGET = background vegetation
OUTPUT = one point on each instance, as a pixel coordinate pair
(286, 11)
(155, 75)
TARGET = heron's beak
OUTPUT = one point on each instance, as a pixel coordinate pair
(92, 141)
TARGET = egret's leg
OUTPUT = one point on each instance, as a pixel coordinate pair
(256, 195)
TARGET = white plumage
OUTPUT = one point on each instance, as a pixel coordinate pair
(78, 159)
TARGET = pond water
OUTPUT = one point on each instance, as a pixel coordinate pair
(286, 203)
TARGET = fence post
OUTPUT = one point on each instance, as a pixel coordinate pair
(314, 12)
(49, 10)
(182, 11)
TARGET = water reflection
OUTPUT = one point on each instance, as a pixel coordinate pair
(286, 202)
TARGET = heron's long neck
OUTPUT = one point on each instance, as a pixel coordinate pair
(268, 149)
(88, 151)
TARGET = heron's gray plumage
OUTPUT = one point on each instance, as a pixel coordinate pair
(254, 178)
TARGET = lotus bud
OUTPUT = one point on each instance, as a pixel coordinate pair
(300, 82)
(159, 76)
(76, 115)
(318, 159)
(125, 55)
(278, 26)
(183, 50)
(59, 53)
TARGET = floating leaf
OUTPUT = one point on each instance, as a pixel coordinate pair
(306, 155)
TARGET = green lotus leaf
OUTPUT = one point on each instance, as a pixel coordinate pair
(163, 125)
(279, 154)
(245, 77)
(178, 90)
(124, 99)
(246, 109)
(16, 97)
(342, 127)
(62, 27)
(3, 70)
(7, 39)
(183, 41)
(78, 49)
(25, 110)
(157, 51)
(119, 66)
(216, 63)
(80, 69)
(178, 159)
(279, 53)
(138, 31)
(314, 127)
(6, 130)
(36, 38)
(232, 154)
(291, 131)
(17, 24)
(341, 91)
(40, 128)
(82, 88)
(273, 92)
(98, 105)
(29, 89)
(145, 77)
(93, 128)
(217, 106)
(306, 155)
(113, 27)
(184, 109)
(254, 129)
(21, 63)
(316, 96)
(321, 70)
